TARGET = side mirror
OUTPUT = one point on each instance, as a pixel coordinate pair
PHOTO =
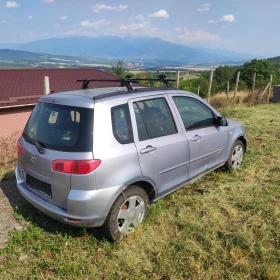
(222, 121)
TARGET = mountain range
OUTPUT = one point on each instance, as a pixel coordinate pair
(153, 51)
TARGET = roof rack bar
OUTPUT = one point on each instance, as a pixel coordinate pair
(161, 78)
(123, 82)
(165, 81)
(127, 81)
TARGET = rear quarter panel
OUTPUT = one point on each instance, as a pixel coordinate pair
(119, 161)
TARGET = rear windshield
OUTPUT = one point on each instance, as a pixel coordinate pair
(61, 128)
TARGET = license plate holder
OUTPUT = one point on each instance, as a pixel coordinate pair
(39, 185)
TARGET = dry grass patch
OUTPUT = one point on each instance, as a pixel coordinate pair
(8, 154)
(220, 100)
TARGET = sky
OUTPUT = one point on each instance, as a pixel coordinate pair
(245, 26)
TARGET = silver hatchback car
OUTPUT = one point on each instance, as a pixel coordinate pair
(99, 156)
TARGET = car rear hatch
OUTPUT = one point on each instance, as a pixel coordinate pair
(56, 143)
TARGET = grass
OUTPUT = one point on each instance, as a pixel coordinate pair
(223, 226)
(243, 97)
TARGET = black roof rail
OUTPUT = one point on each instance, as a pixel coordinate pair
(122, 82)
(127, 81)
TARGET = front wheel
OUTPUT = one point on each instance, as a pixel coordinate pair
(127, 213)
(236, 155)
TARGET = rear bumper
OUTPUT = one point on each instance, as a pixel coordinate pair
(90, 207)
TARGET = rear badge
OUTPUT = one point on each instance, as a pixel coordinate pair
(33, 158)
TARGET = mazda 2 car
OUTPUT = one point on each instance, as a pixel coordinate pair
(99, 156)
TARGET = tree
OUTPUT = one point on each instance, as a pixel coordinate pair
(263, 70)
(148, 75)
(222, 75)
(192, 84)
(117, 69)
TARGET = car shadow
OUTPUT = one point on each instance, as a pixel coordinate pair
(24, 210)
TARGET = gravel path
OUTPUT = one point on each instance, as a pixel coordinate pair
(9, 198)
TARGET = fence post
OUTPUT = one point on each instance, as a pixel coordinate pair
(253, 87)
(227, 90)
(210, 85)
(265, 89)
(269, 89)
(177, 79)
(198, 89)
(236, 86)
(46, 85)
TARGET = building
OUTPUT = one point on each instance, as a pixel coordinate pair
(20, 89)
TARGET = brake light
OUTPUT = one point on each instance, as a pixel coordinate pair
(75, 166)
(19, 149)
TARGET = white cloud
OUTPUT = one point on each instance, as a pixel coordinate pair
(159, 14)
(94, 24)
(195, 35)
(134, 26)
(30, 17)
(138, 17)
(63, 18)
(12, 4)
(99, 7)
(57, 25)
(227, 18)
(204, 8)
(47, 1)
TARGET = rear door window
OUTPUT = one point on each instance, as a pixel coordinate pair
(153, 118)
(62, 128)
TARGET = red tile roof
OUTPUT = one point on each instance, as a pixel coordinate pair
(26, 86)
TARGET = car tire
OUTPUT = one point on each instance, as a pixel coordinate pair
(127, 213)
(236, 155)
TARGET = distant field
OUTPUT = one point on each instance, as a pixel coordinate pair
(186, 74)
(223, 226)
(4, 64)
(50, 64)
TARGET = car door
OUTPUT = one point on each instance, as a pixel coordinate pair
(207, 140)
(162, 147)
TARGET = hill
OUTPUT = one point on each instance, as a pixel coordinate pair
(153, 51)
(25, 59)
(275, 61)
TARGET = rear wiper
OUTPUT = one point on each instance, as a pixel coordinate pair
(38, 144)
(39, 147)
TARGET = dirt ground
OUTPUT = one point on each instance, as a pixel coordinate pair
(13, 121)
(9, 198)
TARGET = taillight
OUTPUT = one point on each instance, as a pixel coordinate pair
(75, 166)
(73, 220)
(19, 149)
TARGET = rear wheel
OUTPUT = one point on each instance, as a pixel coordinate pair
(236, 155)
(127, 213)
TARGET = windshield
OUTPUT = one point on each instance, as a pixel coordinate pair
(61, 128)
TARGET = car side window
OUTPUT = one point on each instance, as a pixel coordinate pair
(194, 113)
(121, 124)
(153, 118)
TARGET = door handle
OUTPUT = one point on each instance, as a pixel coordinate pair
(196, 138)
(148, 149)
